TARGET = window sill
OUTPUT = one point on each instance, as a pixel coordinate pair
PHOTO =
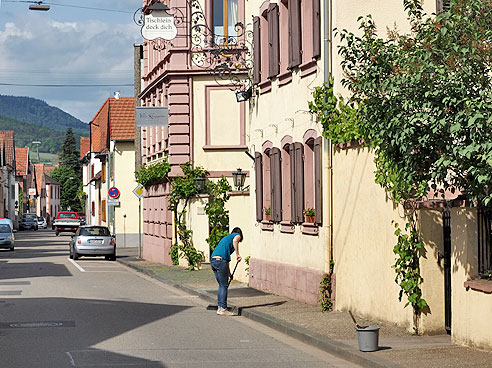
(224, 147)
(284, 78)
(308, 68)
(310, 228)
(287, 227)
(266, 225)
(265, 86)
(479, 285)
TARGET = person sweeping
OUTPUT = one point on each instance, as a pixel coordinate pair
(219, 261)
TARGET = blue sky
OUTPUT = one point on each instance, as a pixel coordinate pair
(68, 46)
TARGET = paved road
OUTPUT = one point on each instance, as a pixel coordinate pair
(55, 312)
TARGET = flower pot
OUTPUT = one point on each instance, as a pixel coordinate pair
(310, 219)
(267, 216)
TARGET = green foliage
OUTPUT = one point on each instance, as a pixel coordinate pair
(174, 253)
(409, 249)
(153, 174)
(69, 187)
(218, 216)
(339, 120)
(246, 260)
(69, 154)
(325, 290)
(183, 188)
(309, 212)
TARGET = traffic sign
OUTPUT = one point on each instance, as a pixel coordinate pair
(113, 202)
(139, 191)
(114, 192)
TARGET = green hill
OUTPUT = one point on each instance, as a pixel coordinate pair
(51, 140)
(33, 111)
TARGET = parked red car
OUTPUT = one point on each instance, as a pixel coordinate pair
(66, 221)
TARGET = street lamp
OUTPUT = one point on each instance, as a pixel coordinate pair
(239, 177)
(38, 5)
(37, 143)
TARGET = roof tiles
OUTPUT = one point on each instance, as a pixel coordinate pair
(22, 161)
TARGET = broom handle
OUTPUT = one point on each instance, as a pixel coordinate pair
(232, 275)
(353, 319)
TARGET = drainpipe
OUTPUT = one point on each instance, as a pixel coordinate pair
(328, 147)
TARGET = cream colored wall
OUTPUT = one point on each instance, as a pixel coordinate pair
(124, 180)
(225, 126)
(363, 247)
(471, 310)
(385, 13)
(239, 216)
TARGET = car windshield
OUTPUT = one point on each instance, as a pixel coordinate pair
(5, 229)
(67, 215)
(27, 218)
(94, 231)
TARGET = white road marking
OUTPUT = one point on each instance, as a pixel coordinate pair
(72, 362)
(76, 265)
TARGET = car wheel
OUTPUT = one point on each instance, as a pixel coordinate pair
(71, 254)
(11, 249)
(57, 233)
(75, 256)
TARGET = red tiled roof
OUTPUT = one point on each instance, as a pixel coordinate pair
(122, 118)
(84, 146)
(48, 169)
(39, 168)
(119, 114)
(21, 161)
(8, 138)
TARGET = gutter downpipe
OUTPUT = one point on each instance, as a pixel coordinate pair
(328, 69)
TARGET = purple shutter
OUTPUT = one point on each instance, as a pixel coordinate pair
(276, 184)
(316, 29)
(299, 181)
(318, 196)
(259, 186)
(273, 41)
(292, 155)
(256, 50)
(295, 57)
(442, 5)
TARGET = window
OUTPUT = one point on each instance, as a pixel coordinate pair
(225, 18)
(266, 179)
(275, 184)
(286, 183)
(297, 178)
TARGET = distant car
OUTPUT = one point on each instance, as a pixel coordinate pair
(42, 222)
(7, 238)
(28, 222)
(93, 241)
(66, 221)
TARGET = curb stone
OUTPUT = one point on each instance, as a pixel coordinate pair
(330, 346)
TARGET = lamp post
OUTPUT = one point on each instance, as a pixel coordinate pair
(239, 177)
(37, 143)
(39, 6)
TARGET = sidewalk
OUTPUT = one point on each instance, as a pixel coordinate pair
(333, 332)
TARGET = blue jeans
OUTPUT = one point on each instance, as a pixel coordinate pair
(221, 271)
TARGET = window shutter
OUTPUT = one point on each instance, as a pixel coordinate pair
(299, 181)
(276, 184)
(273, 41)
(103, 210)
(442, 5)
(292, 155)
(256, 50)
(318, 194)
(316, 29)
(294, 33)
(259, 186)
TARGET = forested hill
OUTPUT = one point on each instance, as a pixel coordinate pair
(33, 111)
(51, 140)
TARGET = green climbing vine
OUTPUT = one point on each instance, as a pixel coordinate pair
(153, 174)
(218, 216)
(183, 188)
(325, 290)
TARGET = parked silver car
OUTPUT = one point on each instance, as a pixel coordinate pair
(7, 239)
(42, 222)
(93, 241)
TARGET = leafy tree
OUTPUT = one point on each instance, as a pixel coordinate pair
(423, 102)
(70, 155)
(69, 187)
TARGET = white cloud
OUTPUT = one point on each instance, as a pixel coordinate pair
(37, 50)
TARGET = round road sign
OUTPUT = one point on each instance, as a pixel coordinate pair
(114, 192)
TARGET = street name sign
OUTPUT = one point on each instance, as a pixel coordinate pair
(151, 116)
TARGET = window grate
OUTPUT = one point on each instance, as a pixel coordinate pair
(484, 241)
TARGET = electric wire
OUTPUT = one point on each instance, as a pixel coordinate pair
(69, 6)
(65, 85)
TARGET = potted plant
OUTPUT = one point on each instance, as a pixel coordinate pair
(268, 212)
(309, 214)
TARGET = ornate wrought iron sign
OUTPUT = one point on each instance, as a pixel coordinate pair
(228, 59)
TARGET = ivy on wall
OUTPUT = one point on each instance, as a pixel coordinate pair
(153, 174)
(218, 216)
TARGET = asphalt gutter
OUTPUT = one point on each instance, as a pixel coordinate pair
(321, 342)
